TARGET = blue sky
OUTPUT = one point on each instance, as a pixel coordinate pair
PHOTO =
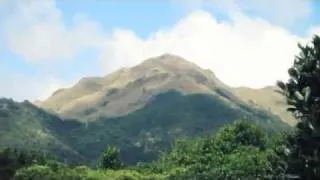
(141, 16)
(49, 44)
(145, 17)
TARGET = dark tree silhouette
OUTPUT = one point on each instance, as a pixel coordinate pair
(111, 159)
(302, 91)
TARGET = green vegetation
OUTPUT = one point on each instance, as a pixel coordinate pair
(23, 125)
(110, 159)
(12, 159)
(239, 150)
(303, 95)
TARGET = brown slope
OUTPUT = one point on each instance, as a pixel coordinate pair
(268, 99)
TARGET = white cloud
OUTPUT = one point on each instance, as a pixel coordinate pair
(21, 87)
(247, 52)
(35, 30)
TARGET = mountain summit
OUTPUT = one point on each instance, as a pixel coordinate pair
(170, 62)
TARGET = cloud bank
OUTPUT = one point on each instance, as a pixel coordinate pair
(37, 32)
(243, 51)
(246, 52)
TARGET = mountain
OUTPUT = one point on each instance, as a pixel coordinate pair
(130, 89)
(23, 125)
(142, 110)
(127, 90)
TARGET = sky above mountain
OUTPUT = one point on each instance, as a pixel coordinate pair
(49, 44)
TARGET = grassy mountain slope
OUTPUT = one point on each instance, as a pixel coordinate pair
(268, 99)
(22, 125)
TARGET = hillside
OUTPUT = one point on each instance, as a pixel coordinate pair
(22, 125)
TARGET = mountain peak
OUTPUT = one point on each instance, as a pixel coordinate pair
(170, 56)
(168, 61)
(167, 58)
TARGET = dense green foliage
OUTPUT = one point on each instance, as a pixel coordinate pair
(13, 159)
(111, 159)
(303, 95)
(239, 150)
(147, 132)
(22, 125)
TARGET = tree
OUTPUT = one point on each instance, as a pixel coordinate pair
(111, 158)
(240, 133)
(302, 92)
(12, 159)
(238, 150)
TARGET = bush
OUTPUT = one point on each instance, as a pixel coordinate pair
(36, 172)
